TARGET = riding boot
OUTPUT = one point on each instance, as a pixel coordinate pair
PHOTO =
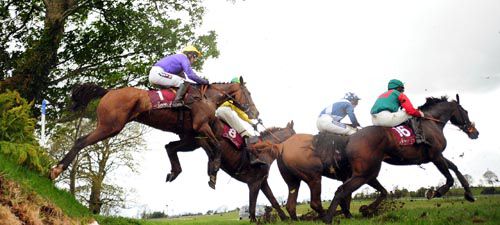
(419, 132)
(254, 160)
(178, 102)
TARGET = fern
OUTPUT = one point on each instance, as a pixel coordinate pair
(17, 128)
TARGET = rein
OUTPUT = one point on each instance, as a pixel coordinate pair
(433, 119)
(236, 103)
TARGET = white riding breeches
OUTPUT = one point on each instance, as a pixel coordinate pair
(230, 117)
(326, 123)
(390, 119)
(159, 77)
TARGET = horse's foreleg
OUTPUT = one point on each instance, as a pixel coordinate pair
(468, 193)
(253, 193)
(212, 148)
(183, 145)
(442, 166)
(269, 194)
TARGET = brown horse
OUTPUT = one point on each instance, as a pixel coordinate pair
(237, 164)
(371, 145)
(120, 106)
(304, 157)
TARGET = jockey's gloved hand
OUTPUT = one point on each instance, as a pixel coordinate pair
(259, 121)
(254, 125)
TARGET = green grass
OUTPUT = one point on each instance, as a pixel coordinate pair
(31, 181)
(446, 211)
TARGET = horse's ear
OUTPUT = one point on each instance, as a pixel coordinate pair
(458, 99)
(290, 124)
(241, 80)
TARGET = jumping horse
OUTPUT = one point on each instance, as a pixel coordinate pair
(117, 107)
(236, 163)
(370, 146)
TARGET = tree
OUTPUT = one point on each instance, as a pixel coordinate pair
(89, 174)
(48, 46)
(490, 177)
(469, 179)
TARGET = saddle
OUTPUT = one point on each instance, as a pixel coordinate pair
(232, 135)
(162, 98)
(404, 135)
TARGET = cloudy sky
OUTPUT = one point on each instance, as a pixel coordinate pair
(299, 56)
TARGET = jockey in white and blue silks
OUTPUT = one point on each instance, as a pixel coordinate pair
(330, 117)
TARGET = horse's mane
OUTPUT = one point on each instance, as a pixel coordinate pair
(431, 101)
(269, 131)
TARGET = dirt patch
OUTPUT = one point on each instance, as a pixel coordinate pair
(18, 207)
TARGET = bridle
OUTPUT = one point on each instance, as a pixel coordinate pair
(244, 107)
(468, 126)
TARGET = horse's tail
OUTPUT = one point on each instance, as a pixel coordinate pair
(82, 94)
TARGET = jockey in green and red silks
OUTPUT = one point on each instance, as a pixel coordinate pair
(386, 110)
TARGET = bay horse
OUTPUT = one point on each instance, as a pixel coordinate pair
(237, 164)
(370, 146)
(117, 107)
(304, 157)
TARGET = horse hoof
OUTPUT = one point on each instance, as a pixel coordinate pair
(468, 196)
(55, 171)
(364, 210)
(211, 184)
(430, 194)
(170, 177)
(327, 219)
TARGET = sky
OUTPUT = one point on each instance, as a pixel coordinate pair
(299, 56)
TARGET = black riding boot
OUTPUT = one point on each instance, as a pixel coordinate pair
(178, 102)
(419, 132)
(254, 160)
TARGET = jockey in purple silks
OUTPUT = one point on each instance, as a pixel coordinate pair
(175, 71)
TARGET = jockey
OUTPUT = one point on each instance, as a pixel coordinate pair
(330, 117)
(386, 111)
(229, 113)
(171, 71)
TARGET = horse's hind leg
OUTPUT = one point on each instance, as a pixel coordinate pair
(102, 132)
(291, 202)
(441, 164)
(343, 192)
(315, 188)
(372, 208)
(468, 193)
(269, 194)
(253, 193)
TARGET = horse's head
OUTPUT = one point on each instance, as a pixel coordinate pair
(267, 149)
(460, 118)
(237, 92)
(244, 99)
(278, 134)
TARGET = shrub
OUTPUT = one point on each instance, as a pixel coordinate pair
(17, 128)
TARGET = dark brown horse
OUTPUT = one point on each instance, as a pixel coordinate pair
(120, 106)
(370, 146)
(304, 157)
(237, 164)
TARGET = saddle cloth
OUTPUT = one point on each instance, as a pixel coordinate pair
(161, 98)
(404, 135)
(232, 135)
